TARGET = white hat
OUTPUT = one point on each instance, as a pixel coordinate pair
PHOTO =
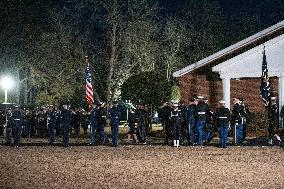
(200, 97)
(273, 98)
(222, 102)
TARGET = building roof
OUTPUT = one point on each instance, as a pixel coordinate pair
(231, 49)
(249, 63)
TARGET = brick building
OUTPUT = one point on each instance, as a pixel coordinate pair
(236, 70)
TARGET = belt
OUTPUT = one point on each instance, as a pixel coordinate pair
(201, 113)
(223, 117)
(17, 119)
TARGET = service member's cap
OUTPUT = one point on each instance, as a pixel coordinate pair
(222, 102)
(200, 97)
(273, 98)
(175, 104)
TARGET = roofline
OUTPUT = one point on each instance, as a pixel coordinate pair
(264, 33)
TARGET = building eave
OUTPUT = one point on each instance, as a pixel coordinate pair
(233, 48)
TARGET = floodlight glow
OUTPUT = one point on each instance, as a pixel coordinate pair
(7, 83)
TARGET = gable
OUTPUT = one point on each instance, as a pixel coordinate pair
(249, 63)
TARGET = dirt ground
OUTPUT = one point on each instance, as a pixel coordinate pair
(141, 166)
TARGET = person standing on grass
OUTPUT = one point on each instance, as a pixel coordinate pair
(201, 110)
(65, 125)
(141, 119)
(132, 126)
(237, 120)
(191, 121)
(17, 119)
(94, 124)
(102, 122)
(222, 117)
(9, 125)
(164, 114)
(273, 121)
(176, 123)
(246, 118)
(51, 122)
(114, 116)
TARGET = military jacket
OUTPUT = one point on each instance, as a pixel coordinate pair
(201, 110)
(222, 115)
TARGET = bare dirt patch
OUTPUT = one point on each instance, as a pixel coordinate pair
(133, 166)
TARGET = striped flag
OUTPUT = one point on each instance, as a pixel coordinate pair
(265, 87)
(89, 87)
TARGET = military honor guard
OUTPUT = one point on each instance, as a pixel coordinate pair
(94, 124)
(17, 118)
(65, 124)
(101, 122)
(200, 113)
(164, 114)
(176, 123)
(237, 121)
(141, 119)
(222, 117)
(114, 115)
(191, 121)
(273, 121)
(51, 122)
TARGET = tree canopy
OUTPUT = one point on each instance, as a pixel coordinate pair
(147, 87)
(44, 44)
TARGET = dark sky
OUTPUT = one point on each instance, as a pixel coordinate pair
(263, 13)
(243, 17)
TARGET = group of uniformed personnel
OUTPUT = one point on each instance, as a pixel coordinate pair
(196, 122)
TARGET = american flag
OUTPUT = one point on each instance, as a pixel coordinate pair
(265, 87)
(89, 87)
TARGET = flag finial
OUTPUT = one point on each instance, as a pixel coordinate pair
(87, 59)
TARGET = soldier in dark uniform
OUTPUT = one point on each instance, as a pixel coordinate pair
(141, 118)
(28, 123)
(85, 121)
(246, 117)
(164, 114)
(65, 125)
(200, 113)
(183, 109)
(41, 123)
(132, 126)
(102, 122)
(9, 125)
(208, 130)
(222, 117)
(237, 120)
(176, 123)
(114, 115)
(58, 121)
(191, 122)
(75, 122)
(273, 120)
(51, 122)
(17, 119)
(94, 124)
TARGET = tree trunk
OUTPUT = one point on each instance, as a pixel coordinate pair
(111, 64)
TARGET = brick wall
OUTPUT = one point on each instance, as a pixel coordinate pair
(193, 84)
